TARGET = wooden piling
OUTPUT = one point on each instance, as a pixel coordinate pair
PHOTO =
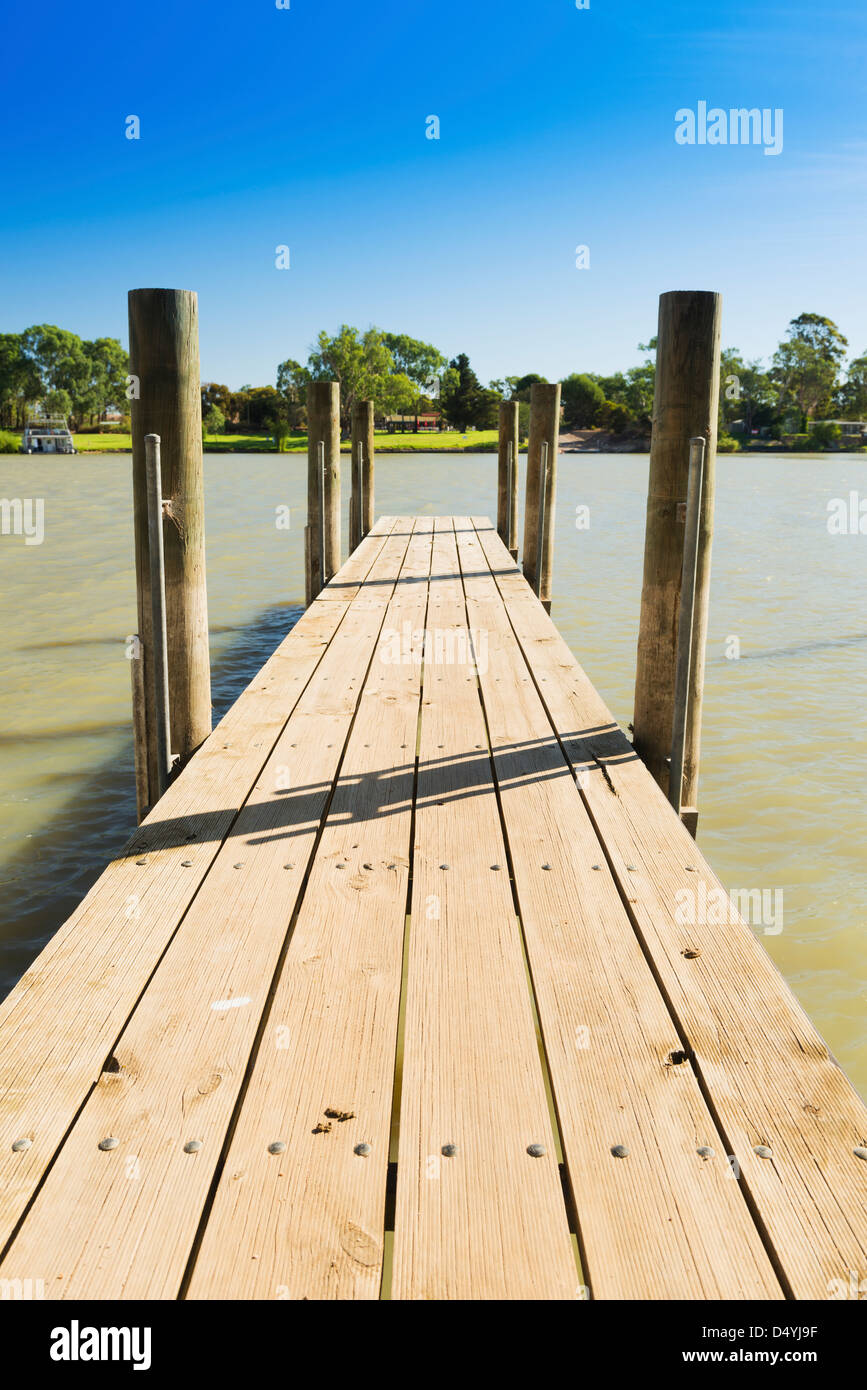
(544, 429)
(159, 666)
(685, 406)
(166, 400)
(507, 477)
(135, 654)
(686, 623)
(323, 429)
(361, 497)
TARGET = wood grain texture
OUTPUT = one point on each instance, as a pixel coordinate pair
(544, 430)
(120, 1224)
(236, 974)
(507, 490)
(310, 1223)
(323, 427)
(488, 1221)
(60, 1021)
(164, 360)
(685, 405)
(662, 1222)
(766, 1073)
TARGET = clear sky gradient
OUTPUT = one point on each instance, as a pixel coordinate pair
(306, 127)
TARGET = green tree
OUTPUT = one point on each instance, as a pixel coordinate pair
(421, 363)
(806, 367)
(746, 393)
(582, 400)
(521, 385)
(20, 382)
(360, 362)
(213, 393)
(398, 395)
(214, 422)
(461, 393)
(280, 431)
(292, 381)
(851, 398)
(613, 416)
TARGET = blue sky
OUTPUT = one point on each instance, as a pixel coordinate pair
(306, 127)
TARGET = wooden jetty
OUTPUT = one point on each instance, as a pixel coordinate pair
(393, 969)
(393, 993)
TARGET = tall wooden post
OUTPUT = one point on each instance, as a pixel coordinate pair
(361, 497)
(544, 429)
(685, 406)
(507, 477)
(322, 546)
(166, 400)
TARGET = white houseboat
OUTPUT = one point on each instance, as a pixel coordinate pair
(47, 434)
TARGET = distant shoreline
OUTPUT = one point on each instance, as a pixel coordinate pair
(447, 442)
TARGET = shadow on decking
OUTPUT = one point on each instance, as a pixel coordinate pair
(359, 799)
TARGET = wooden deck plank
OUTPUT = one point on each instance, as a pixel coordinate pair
(310, 1223)
(121, 1224)
(489, 1221)
(661, 1222)
(93, 970)
(661, 1032)
(766, 1072)
(347, 583)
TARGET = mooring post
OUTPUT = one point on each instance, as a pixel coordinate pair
(686, 623)
(685, 406)
(539, 529)
(543, 497)
(135, 653)
(159, 666)
(165, 399)
(507, 477)
(361, 497)
(322, 533)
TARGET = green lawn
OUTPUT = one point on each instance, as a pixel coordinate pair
(472, 441)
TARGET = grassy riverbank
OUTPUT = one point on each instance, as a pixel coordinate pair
(450, 441)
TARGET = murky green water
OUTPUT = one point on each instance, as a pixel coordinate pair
(783, 767)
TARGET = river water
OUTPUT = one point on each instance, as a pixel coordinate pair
(783, 764)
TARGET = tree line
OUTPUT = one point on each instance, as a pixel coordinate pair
(807, 379)
(68, 375)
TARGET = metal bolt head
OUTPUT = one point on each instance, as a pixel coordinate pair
(596, 866)
(705, 1151)
(546, 867)
(186, 863)
(763, 1151)
(859, 1152)
(192, 1146)
(449, 1150)
(443, 866)
(631, 868)
(108, 1143)
(362, 1150)
(536, 1150)
(620, 1151)
(21, 1145)
(278, 1147)
(495, 867)
(691, 953)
